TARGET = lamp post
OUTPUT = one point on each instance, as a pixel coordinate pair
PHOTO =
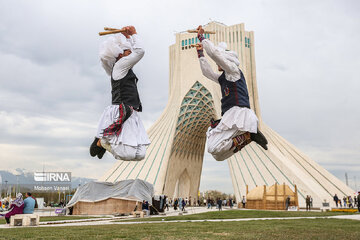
(17, 184)
(6, 193)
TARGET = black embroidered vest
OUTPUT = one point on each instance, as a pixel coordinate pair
(233, 93)
(125, 91)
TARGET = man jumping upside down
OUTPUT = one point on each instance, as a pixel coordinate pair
(120, 130)
(239, 124)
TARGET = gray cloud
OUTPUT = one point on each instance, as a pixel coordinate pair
(53, 89)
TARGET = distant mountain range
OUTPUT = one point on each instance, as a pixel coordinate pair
(23, 177)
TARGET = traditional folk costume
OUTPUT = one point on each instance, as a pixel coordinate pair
(120, 129)
(239, 124)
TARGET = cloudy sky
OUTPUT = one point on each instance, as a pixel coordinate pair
(53, 88)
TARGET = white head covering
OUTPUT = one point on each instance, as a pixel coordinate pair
(232, 57)
(110, 50)
(229, 55)
(19, 200)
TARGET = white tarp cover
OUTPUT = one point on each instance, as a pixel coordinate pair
(127, 189)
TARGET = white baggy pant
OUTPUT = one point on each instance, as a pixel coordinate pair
(236, 121)
(131, 144)
(220, 143)
(125, 152)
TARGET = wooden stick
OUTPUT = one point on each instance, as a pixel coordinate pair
(110, 29)
(195, 45)
(111, 32)
(196, 31)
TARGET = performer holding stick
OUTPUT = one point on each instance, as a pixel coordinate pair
(120, 130)
(239, 124)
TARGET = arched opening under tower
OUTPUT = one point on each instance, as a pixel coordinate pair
(182, 187)
(187, 152)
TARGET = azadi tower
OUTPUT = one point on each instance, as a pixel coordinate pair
(175, 157)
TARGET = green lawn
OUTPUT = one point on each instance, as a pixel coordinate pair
(234, 214)
(230, 214)
(267, 229)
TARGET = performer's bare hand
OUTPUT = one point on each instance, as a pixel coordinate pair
(200, 30)
(131, 30)
(125, 32)
(199, 47)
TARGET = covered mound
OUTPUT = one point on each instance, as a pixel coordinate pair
(256, 194)
(137, 190)
(271, 197)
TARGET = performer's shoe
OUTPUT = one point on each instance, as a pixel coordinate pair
(101, 153)
(214, 122)
(94, 148)
(260, 139)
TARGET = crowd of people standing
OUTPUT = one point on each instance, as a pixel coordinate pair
(347, 201)
(182, 203)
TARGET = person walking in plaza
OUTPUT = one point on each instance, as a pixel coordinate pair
(239, 124)
(120, 129)
(145, 207)
(355, 201)
(345, 201)
(358, 197)
(307, 203)
(167, 203)
(176, 202)
(219, 203)
(183, 204)
(287, 202)
(336, 199)
(243, 201)
(350, 202)
(212, 203)
(208, 203)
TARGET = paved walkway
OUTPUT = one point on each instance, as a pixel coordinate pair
(114, 220)
(109, 222)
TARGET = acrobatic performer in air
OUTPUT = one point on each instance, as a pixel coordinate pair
(120, 130)
(239, 124)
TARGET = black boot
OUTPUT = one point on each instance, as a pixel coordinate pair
(94, 148)
(260, 139)
(101, 153)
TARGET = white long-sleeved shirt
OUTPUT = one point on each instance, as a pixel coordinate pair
(122, 66)
(217, 54)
